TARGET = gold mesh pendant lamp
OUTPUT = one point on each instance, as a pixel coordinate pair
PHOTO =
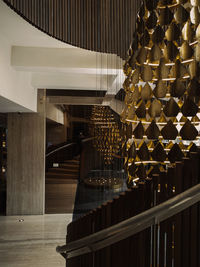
(106, 134)
(162, 86)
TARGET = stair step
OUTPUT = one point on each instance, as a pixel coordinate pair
(61, 175)
(63, 170)
(69, 166)
(72, 161)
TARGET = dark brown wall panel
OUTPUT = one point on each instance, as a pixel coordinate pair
(98, 25)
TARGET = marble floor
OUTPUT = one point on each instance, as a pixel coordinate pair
(30, 241)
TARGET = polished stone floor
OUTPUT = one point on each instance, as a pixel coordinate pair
(30, 241)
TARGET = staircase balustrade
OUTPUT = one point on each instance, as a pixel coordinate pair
(154, 223)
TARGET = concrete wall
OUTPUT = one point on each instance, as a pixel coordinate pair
(15, 85)
(26, 162)
(54, 114)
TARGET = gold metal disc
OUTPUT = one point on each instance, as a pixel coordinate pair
(165, 16)
(177, 88)
(155, 53)
(160, 89)
(181, 15)
(141, 110)
(171, 109)
(158, 35)
(195, 2)
(193, 69)
(197, 52)
(162, 72)
(173, 32)
(188, 131)
(155, 108)
(135, 76)
(187, 32)
(170, 51)
(178, 70)
(146, 92)
(186, 51)
(142, 55)
(195, 15)
(147, 73)
(152, 131)
(151, 21)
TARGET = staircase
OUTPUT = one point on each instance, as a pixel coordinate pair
(68, 170)
(153, 223)
(61, 184)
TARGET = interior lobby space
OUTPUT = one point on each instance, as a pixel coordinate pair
(100, 133)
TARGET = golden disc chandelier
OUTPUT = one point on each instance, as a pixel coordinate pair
(162, 86)
(105, 130)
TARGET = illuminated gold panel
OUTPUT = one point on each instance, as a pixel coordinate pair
(162, 86)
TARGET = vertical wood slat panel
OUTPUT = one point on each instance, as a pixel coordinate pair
(58, 19)
(106, 25)
(114, 27)
(103, 25)
(43, 14)
(111, 26)
(64, 20)
(121, 27)
(46, 24)
(85, 25)
(31, 12)
(89, 25)
(103, 32)
(98, 13)
(50, 17)
(95, 28)
(59, 25)
(73, 7)
(86, 22)
(68, 21)
(117, 27)
(81, 33)
(77, 22)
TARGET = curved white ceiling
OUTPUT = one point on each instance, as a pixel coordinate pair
(59, 66)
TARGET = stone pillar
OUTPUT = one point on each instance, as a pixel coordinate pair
(26, 161)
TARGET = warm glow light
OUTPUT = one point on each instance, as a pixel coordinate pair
(161, 109)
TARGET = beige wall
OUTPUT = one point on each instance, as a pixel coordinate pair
(55, 114)
(26, 161)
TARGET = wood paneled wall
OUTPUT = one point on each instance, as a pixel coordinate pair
(98, 25)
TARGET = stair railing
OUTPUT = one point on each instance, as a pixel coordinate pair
(60, 154)
(131, 226)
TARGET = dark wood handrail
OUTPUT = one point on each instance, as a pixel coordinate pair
(65, 152)
(59, 149)
(60, 154)
(127, 228)
(87, 139)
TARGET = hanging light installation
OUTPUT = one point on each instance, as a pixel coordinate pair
(162, 86)
(106, 132)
